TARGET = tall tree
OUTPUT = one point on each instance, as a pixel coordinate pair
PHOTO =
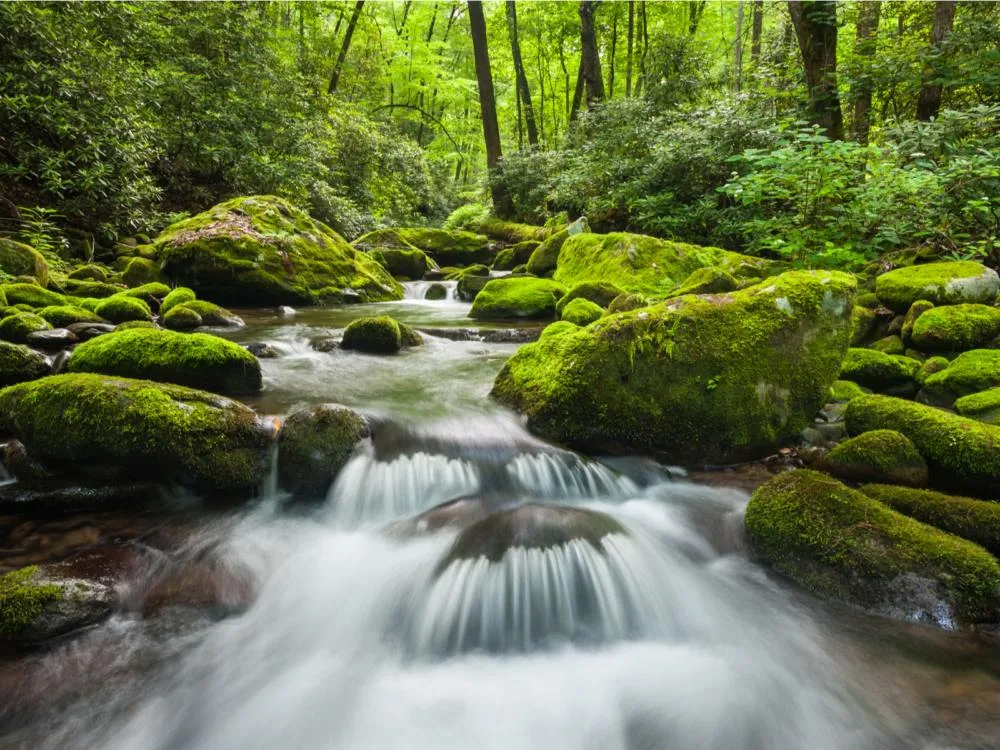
(757, 26)
(695, 10)
(815, 23)
(929, 101)
(631, 41)
(345, 45)
(861, 88)
(487, 100)
(523, 92)
(738, 47)
(590, 61)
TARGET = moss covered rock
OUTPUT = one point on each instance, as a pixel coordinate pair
(196, 360)
(471, 281)
(917, 309)
(970, 372)
(955, 328)
(843, 391)
(261, 250)
(950, 283)
(152, 430)
(375, 335)
(448, 247)
(984, 406)
(19, 363)
(708, 280)
(31, 294)
(511, 231)
(18, 259)
(61, 316)
(889, 345)
(878, 456)
(95, 289)
(177, 296)
(626, 302)
(843, 545)
(601, 293)
(122, 308)
(646, 265)
(90, 272)
(545, 257)
(141, 271)
(405, 264)
(516, 255)
(697, 379)
(315, 444)
(877, 370)
(17, 328)
(181, 318)
(212, 315)
(863, 322)
(582, 312)
(38, 603)
(517, 297)
(961, 453)
(975, 520)
(151, 293)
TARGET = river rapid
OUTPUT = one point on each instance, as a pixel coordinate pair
(351, 624)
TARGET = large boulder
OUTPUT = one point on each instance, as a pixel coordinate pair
(877, 370)
(517, 297)
(877, 456)
(647, 265)
(18, 327)
(195, 360)
(314, 445)
(969, 373)
(19, 363)
(960, 453)
(375, 335)
(448, 247)
(984, 406)
(40, 603)
(843, 545)
(18, 259)
(949, 283)
(401, 263)
(955, 328)
(711, 379)
(601, 293)
(31, 294)
(152, 430)
(261, 250)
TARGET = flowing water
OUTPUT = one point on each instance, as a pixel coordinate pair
(392, 615)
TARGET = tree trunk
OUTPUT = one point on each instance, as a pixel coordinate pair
(577, 93)
(929, 101)
(523, 92)
(351, 25)
(815, 23)
(861, 90)
(738, 47)
(757, 27)
(589, 59)
(487, 100)
(695, 9)
(645, 49)
(614, 49)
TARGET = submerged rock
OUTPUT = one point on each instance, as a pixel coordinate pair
(194, 359)
(712, 379)
(877, 456)
(843, 545)
(152, 430)
(950, 283)
(261, 250)
(38, 603)
(522, 297)
(315, 444)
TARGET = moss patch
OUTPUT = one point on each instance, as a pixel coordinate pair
(878, 456)
(23, 599)
(375, 335)
(955, 328)
(971, 372)
(877, 370)
(521, 297)
(18, 259)
(948, 283)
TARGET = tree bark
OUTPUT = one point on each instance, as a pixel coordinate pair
(738, 47)
(351, 25)
(815, 23)
(628, 56)
(589, 59)
(695, 9)
(577, 93)
(645, 49)
(757, 27)
(861, 90)
(614, 50)
(929, 101)
(523, 91)
(487, 101)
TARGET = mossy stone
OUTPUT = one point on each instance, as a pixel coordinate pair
(447, 247)
(917, 309)
(949, 283)
(878, 456)
(374, 335)
(863, 321)
(929, 367)
(511, 232)
(18, 259)
(402, 263)
(194, 359)
(626, 302)
(122, 308)
(131, 325)
(984, 406)
(181, 318)
(842, 391)
(16, 328)
(521, 297)
(955, 328)
(211, 314)
(261, 250)
(694, 380)
(708, 280)
(889, 345)
(601, 293)
(409, 336)
(96, 289)
(843, 545)
(141, 271)
(151, 293)
(516, 255)
(153, 430)
(61, 316)
(315, 444)
(582, 312)
(177, 296)
(545, 257)
(23, 598)
(31, 294)
(90, 272)
(19, 363)
(471, 282)
(877, 370)
(970, 372)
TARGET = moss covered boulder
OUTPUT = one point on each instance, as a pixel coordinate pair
(969, 373)
(211, 314)
(646, 265)
(955, 328)
(18, 259)
(843, 391)
(16, 328)
(961, 453)
(521, 297)
(177, 296)
(545, 257)
(197, 360)
(917, 309)
(19, 363)
(950, 283)
(261, 250)
(401, 263)
(877, 456)
(181, 318)
(447, 247)
(315, 444)
(121, 308)
(516, 255)
(31, 294)
(601, 293)
(708, 280)
(503, 230)
(375, 335)
(975, 520)
(38, 603)
(152, 430)
(983, 406)
(878, 370)
(61, 316)
(90, 272)
(141, 271)
(697, 380)
(471, 281)
(843, 545)
(582, 312)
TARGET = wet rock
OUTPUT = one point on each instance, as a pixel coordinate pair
(55, 339)
(59, 361)
(262, 350)
(287, 312)
(86, 331)
(458, 513)
(315, 444)
(210, 586)
(436, 292)
(325, 344)
(487, 335)
(38, 494)
(22, 466)
(38, 603)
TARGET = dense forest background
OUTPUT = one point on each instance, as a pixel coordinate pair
(825, 132)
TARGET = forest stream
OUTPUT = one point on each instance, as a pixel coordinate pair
(357, 622)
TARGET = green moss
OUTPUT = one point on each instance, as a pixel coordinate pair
(315, 444)
(141, 271)
(521, 297)
(448, 247)
(61, 316)
(708, 280)
(375, 335)
(878, 456)
(917, 309)
(195, 359)
(512, 232)
(150, 293)
(876, 370)
(181, 318)
(558, 328)
(211, 314)
(868, 301)
(639, 381)
(131, 325)
(409, 336)
(19, 363)
(863, 321)
(961, 453)
(155, 431)
(16, 328)
(176, 297)
(515, 255)
(471, 281)
(601, 293)
(121, 308)
(841, 544)
(582, 312)
(23, 599)
(261, 250)
(975, 520)
(889, 345)
(948, 283)
(984, 406)
(545, 257)
(85, 303)
(955, 328)
(18, 259)
(843, 391)
(405, 264)
(31, 294)
(626, 302)
(97, 289)
(90, 272)
(970, 372)
(929, 367)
